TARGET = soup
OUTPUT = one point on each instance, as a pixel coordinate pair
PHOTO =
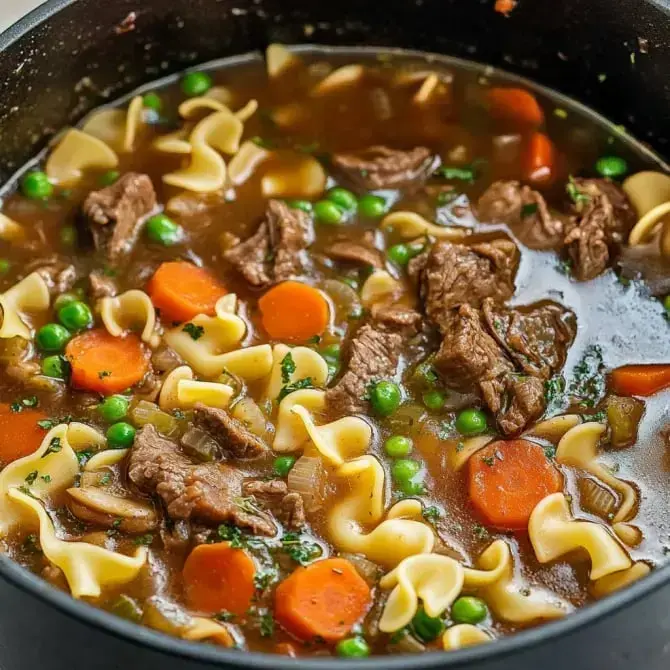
(337, 353)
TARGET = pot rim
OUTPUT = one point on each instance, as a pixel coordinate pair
(142, 636)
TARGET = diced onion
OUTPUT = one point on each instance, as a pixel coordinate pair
(149, 413)
(308, 478)
(371, 572)
(199, 444)
(596, 499)
(345, 299)
(250, 414)
(623, 416)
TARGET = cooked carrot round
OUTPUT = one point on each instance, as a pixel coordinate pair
(106, 364)
(540, 159)
(294, 312)
(323, 600)
(507, 479)
(640, 379)
(19, 433)
(515, 104)
(182, 290)
(219, 578)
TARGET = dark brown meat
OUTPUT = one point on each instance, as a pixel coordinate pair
(525, 211)
(361, 252)
(101, 286)
(276, 251)
(234, 438)
(115, 214)
(59, 276)
(209, 492)
(274, 495)
(379, 167)
(450, 275)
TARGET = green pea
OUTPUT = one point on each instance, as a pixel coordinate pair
(120, 435)
(163, 230)
(52, 337)
(413, 488)
(427, 628)
(304, 205)
(68, 235)
(468, 609)
(194, 84)
(344, 199)
(471, 421)
(76, 315)
(332, 351)
(353, 647)
(398, 446)
(611, 166)
(372, 206)
(404, 470)
(110, 177)
(328, 212)
(113, 408)
(152, 101)
(434, 400)
(283, 464)
(36, 185)
(56, 367)
(385, 397)
(4, 266)
(666, 302)
(64, 299)
(399, 254)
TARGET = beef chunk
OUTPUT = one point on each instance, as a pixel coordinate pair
(286, 506)
(209, 492)
(115, 214)
(362, 252)
(276, 251)
(234, 438)
(379, 167)
(524, 211)
(101, 286)
(58, 276)
(450, 275)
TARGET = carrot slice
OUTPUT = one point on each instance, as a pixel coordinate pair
(19, 433)
(323, 600)
(217, 578)
(505, 6)
(540, 159)
(104, 363)
(182, 290)
(293, 311)
(515, 104)
(507, 479)
(640, 379)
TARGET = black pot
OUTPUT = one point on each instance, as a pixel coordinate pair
(55, 66)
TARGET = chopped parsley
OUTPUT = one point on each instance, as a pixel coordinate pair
(143, 540)
(32, 476)
(264, 579)
(550, 452)
(229, 533)
(447, 429)
(48, 424)
(54, 447)
(287, 368)
(224, 616)
(489, 460)
(466, 174)
(588, 383)
(575, 194)
(528, 209)
(305, 383)
(432, 513)
(266, 624)
(105, 479)
(447, 197)
(481, 532)
(554, 398)
(46, 478)
(300, 550)
(30, 401)
(178, 414)
(31, 544)
(315, 339)
(196, 332)
(564, 266)
(84, 456)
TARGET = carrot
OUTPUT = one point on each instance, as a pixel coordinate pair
(217, 578)
(540, 159)
(515, 104)
(640, 379)
(507, 479)
(323, 600)
(182, 290)
(505, 6)
(106, 364)
(19, 433)
(293, 311)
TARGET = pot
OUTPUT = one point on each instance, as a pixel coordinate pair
(67, 57)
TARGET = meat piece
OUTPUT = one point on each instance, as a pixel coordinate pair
(379, 167)
(450, 275)
(209, 492)
(115, 214)
(276, 251)
(525, 211)
(234, 438)
(274, 495)
(362, 252)
(101, 285)
(59, 276)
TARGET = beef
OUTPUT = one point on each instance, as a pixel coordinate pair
(379, 167)
(208, 492)
(362, 252)
(115, 214)
(276, 251)
(450, 275)
(101, 286)
(525, 211)
(274, 495)
(59, 276)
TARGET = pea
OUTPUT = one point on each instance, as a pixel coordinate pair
(120, 435)
(353, 647)
(372, 206)
(304, 205)
(468, 609)
(110, 177)
(471, 421)
(152, 101)
(163, 230)
(666, 302)
(328, 212)
(56, 367)
(404, 470)
(283, 464)
(385, 397)
(64, 299)
(344, 199)
(195, 83)
(611, 166)
(4, 266)
(52, 337)
(332, 351)
(36, 185)
(427, 628)
(398, 446)
(434, 400)
(113, 408)
(76, 315)
(399, 254)
(68, 235)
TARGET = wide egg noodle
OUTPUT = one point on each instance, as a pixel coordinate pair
(378, 287)
(649, 192)
(10, 230)
(306, 178)
(31, 294)
(206, 629)
(168, 398)
(130, 310)
(244, 163)
(339, 78)
(555, 428)
(117, 128)
(291, 433)
(410, 225)
(618, 580)
(308, 365)
(459, 452)
(212, 394)
(464, 635)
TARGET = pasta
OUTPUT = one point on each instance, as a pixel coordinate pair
(343, 76)
(243, 164)
(117, 128)
(554, 532)
(308, 365)
(291, 433)
(460, 451)
(206, 629)
(306, 178)
(553, 429)
(105, 459)
(31, 294)
(278, 59)
(10, 230)
(175, 142)
(618, 580)
(168, 398)
(429, 86)
(132, 309)
(212, 394)
(650, 194)
(464, 635)
(409, 225)
(380, 286)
